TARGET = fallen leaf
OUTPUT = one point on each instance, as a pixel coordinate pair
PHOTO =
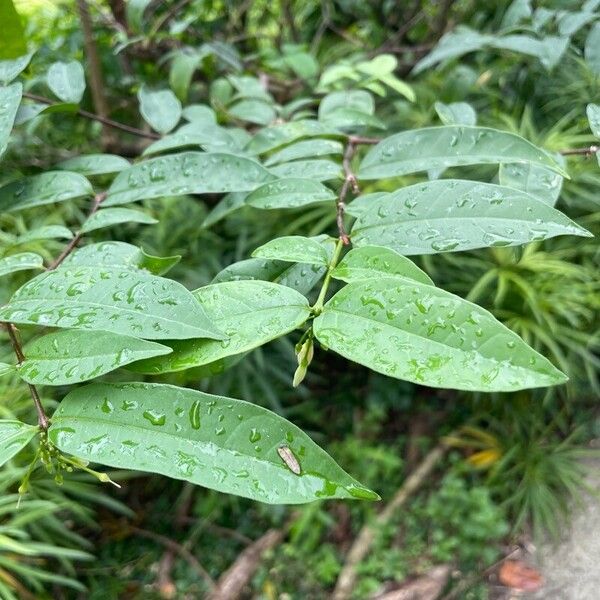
(520, 576)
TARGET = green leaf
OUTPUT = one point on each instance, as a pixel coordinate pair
(211, 139)
(227, 205)
(10, 97)
(540, 182)
(373, 262)
(185, 173)
(94, 164)
(182, 70)
(592, 49)
(294, 248)
(250, 313)
(452, 215)
(112, 299)
(548, 50)
(289, 193)
(67, 81)
(305, 149)
(358, 100)
(68, 357)
(46, 188)
(115, 216)
(5, 369)
(161, 109)
(220, 443)
(253, 111)
(426, 335)
(28, 111)
(318, 169)
(23, 261)
(449, 146)
(10, 68)
(456, 113)
(350, 119)
(593, 115)
(13, 36)
(46, 232)
(134, 11)
(120, 254)
(399, 86)
(278, 135)
(200, 114)
(299, 276)
(14, 436)
(362, 203)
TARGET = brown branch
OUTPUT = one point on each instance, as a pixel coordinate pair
(180, 550)
(98, 199)
(43, 421)
(362, 544)
(349, 182)
(94, 117)
(232, 582)
(164, 19)
(581, 151)
(358, 140)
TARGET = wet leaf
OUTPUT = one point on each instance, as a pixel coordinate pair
(305, 149)
(358, 100)
(593, 115)
(423, 334)
(186, 173)
(290, 193)
(14, 436)
(452, 215)
(10, 98)
(208, 137)
(94, 164)
(10, 68)
(161, 109)
(120, 254)
(449, 146)
(68, 357)
(24, 261)
(220, 443)
(592, 49)
(372, 262)
(46, 188)
(456, 113)
(250, 313)
(112, 299)
(67, 81)
(318, 170)
(46, 232)
(253, 111)
(115, 216)
(227, 205)
(294, 248)
(30, 110)
(540, 182)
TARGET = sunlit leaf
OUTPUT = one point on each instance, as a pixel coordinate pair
(426, 335)
(13, 36)
(220, 443)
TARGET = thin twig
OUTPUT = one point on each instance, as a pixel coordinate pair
(349, 182)
(180, 550)
(98, 199)
(358, 140)
(105, 121)
(43, 421)
(581, 151)
(166, 17)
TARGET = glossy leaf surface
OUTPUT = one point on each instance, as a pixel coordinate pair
(372, 262)
(456, 113)
(540, 182)
(290, 193)
(593, 115)
(449, 146)
(161, 109)
(186, 173)
(46, 232)
(114, 216)
(14, 436)
(10, 98)
(67, 81)
(250, 313)
(426, 335)
(24, 261)
(452, 215)
(228, 204)
(46, 188)
(294, 248)
(318, 170)
(10, 68)
(220, 443)
(94, 164)
(305, 149)
(112, 299)
(68, 357)
(278, 135)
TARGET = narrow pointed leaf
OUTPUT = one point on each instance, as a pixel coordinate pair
(112, 299)
(290, 193)
(305, 149)
(186, 173)
(24, 261)
(250, 313)
(372, 262)
(37, 190)
(540, 182)
(319, 170)
(230, 203)
(122, 255)
(592, 49)
(30, 110)
(278, 135)
(294, 248)
(5, 368)
(68, 357)
(449, 146)
(94, 164)
(46, 232)
(10, 98)
(220, 443)
(452, 215)
(67, 81)
(161, 109)
(14, 436)
(115, 216)
(426, 335)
